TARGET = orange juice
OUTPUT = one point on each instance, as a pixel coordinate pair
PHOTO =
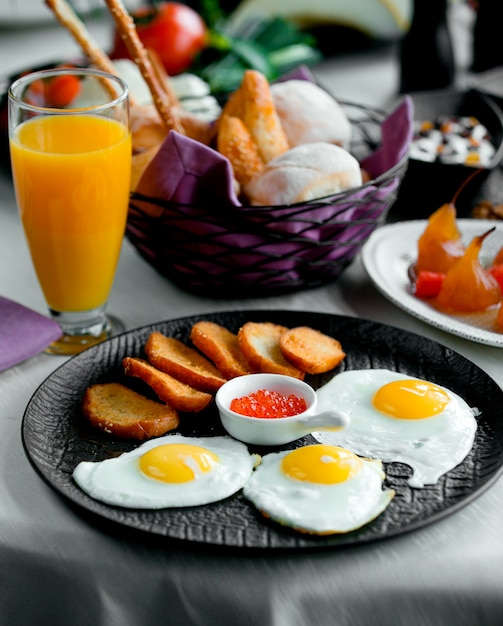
(71, 177)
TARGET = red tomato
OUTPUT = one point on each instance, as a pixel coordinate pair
(498, 259)
(499, 318)
(497, 272)
(62, 90)
(58, 91)
(428, 284)
(173, 30)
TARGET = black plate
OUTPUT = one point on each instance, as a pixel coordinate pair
(56, 437)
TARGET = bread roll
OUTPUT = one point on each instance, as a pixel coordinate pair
(306, 172)
(253, 104)
(309, 114)
(148, 129)
(260, 116)
(235, 142)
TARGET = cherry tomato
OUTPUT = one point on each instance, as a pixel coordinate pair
(58, 91)
(497, 272)
(499, 318)
(62, 90)
(175, 31)
(428, 284)
(498, 259)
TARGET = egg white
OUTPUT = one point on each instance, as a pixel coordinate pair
(316, 508)
(431, 446)
(119, 481)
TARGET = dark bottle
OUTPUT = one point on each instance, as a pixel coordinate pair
(487, 49)
(426, 56)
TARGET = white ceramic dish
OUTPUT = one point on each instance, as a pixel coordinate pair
(387, 256)
(278, 430)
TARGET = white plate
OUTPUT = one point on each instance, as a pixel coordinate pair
(388, 254)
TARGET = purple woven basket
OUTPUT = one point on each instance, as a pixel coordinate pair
(244, 251)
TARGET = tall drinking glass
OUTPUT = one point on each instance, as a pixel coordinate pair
(71, 166)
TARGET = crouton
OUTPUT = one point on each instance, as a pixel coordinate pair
(221, 346)
(120, 411)
(310, 350)
(172, 356)
(180, 396)
(260, 345)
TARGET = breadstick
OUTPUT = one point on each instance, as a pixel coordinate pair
(67, 18)
(160, 73)
(165, 101)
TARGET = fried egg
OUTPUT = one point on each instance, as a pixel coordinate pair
(395, 417)
(318, 489)
(170, 471)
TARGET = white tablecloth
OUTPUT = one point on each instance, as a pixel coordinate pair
(60, 568)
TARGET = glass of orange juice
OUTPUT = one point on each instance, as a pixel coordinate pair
(70, 146)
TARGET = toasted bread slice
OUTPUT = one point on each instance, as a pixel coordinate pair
(235, 142)
(122, 412)
(259, 342)
(180, 396)
(172, 356)
(221, 346)
(310, 350)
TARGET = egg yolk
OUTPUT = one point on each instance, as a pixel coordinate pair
(177, 462)
(321, 463)
(410, 399)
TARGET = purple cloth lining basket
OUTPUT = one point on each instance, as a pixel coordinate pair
(221, 248)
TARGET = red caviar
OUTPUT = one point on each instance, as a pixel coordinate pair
(265, 403)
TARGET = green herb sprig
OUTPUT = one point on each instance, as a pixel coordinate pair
(272, 46)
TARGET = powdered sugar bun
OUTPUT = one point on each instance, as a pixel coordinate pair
(309, 114)
(306, 172)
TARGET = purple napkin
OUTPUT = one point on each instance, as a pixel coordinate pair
(23, 333)
(187, 172)
(397, 130)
